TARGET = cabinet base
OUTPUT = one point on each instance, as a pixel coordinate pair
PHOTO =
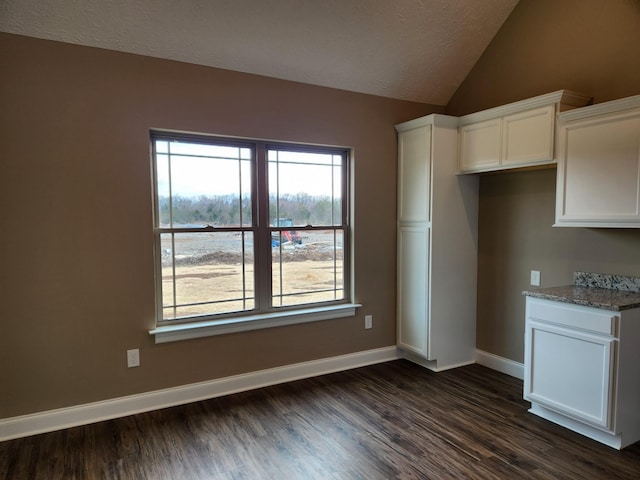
(432, 364)
(609, 439)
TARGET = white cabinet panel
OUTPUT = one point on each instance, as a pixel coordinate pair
(599, 169)
(571, 372)
(528, 137)
(521, 139)
(480, 145)
(516, 135)
(414, 174)
(581, 369)
(568, 315)
(437, 246)
(413, 288)
(603, 163)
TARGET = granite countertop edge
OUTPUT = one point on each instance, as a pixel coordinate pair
(587, 296)
(603, 291)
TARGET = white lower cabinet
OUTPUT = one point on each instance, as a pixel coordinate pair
(581, 369)
(437, 246)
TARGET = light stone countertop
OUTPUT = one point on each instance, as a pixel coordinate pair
(605, 298)
(609, 292)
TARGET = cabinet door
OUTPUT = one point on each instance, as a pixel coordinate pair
(599, 172)
(528, 137)
(570, 372)
(413, 288)
(414, 174)
(414, 212)
(480, 145)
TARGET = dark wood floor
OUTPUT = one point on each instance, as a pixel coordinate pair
(393, 420)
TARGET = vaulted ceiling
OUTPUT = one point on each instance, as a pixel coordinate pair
(419, 50)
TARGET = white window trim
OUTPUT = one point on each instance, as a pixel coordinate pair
(208, 328)
(252, 320)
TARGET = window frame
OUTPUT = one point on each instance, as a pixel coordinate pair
(265, 314)
(345, 214)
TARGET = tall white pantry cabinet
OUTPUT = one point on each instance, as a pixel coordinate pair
(437, 246)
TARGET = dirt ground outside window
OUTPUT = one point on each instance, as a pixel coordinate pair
(209, 268)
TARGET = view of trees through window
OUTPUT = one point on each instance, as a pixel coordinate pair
(302, 208)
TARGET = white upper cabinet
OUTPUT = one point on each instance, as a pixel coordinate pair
(599, 166)
(528, 137)
(480, 145)
(516, 135)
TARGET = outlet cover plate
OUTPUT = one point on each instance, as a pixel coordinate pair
(535, 278)
(368, 321)
(133, 358)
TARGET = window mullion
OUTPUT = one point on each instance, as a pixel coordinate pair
(174, 293)
(347, 246)
(263, 233)
(277, 223)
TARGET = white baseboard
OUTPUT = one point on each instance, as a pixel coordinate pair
(501, 364)
(25, 425)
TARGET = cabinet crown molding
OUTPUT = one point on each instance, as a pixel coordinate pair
(603, 108)
(562, 97)
(435, 119)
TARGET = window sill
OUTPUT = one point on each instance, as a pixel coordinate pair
(185, 331)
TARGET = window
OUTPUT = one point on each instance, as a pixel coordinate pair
(248, 227)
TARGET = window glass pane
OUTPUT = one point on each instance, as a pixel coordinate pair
(245, 193)
(162, 146)
(337, 197)
(308, 158)
(310, 272)
(193, 191)
(204, 149)
(163, 193)
(206, 273)
(305, 188)
(245, 153)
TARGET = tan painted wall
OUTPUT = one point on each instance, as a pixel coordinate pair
(76, 259)
(589, 46)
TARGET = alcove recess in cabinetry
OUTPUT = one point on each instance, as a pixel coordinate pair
(517, 135)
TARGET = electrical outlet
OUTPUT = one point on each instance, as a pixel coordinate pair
(535, 278)
(368, 321)
(133, 358)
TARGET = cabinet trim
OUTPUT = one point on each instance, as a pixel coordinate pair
(591, 319)
(564, 97)
(435, 119)
(600, 109)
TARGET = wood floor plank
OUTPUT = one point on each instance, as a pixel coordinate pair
(389, 421)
